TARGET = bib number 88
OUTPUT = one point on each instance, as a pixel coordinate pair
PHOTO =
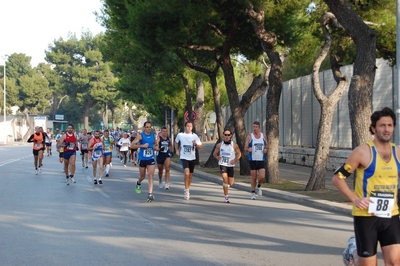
(382, 205)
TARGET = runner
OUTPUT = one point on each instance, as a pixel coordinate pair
(124, 143)
(227, 154)
(164, 157)
(146, 141)
(60, 149)
(256, 146)
(376, 165)
(84, 140)
(70, 143)
(96, 148)
(108, 147)
(38, 139)
(185, 146)
(48, 140)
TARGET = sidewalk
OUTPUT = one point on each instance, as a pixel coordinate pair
(290, 172)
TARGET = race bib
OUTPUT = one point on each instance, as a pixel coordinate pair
(148, 152)
(187, 148)
(71, 146)
(98, 152)
(224, 160)
(383, 203)
(38, 145)
(164, 148)
(84, 146)
(258, 147)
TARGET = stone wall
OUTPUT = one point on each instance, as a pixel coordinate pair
(305, 156)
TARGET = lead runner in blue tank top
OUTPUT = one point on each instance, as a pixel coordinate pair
(146, 142)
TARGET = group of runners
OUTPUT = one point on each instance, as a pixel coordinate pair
(148, 149)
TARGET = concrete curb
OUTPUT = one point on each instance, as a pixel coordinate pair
(279, 194)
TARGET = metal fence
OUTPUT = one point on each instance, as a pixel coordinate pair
(299, 110)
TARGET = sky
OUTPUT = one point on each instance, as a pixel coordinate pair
(29, 26)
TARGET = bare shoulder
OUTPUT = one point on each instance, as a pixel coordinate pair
(361, 155)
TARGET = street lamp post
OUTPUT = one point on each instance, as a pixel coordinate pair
(4, 93)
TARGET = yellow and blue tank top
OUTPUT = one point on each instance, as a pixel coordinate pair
(379, 177)
(108, 144)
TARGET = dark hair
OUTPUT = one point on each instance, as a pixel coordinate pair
(256, 123)
(164, 128)
(147, 122)
(378, 115)
(187, 122)
(71, 125)
(227, 129)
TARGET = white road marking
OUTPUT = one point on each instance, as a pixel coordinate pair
(14, 160)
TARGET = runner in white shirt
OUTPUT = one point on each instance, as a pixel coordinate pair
(124, 143)
(185, 146)
(256, 146)
(227, 153)
(48, 141)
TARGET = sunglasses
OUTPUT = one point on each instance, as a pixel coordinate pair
(227, 135)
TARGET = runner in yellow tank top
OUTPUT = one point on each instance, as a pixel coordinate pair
(375, 208)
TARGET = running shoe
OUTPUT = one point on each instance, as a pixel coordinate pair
(124, 165)
(73, 180)
(186, 194)
(348, 252)
(83, 164)
(86, 167)
(68, 181)
(160, 184)
(36, 171)
(40, 169)
(258, 190)
(166, 186)
(100, 182)
(150, 198)
(95, 181)
(253, 196)
(107, 175)
(138, 188)
(226, 200)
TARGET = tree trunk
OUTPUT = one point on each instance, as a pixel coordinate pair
(88, 105)
(132, 119)
(29, 131)
(360, 91)
(328, 104)
(199, 107)
(189, 109)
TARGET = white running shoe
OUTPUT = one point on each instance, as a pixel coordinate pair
(36, 171)
(160, 184)
(253, 196)
(40, 169)
(258, 190)
(226, 200)
(186, 194)
(73, 180)
(348, 252)
(68, 181)
(166, 186)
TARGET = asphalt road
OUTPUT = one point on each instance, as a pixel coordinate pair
(45, 222)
